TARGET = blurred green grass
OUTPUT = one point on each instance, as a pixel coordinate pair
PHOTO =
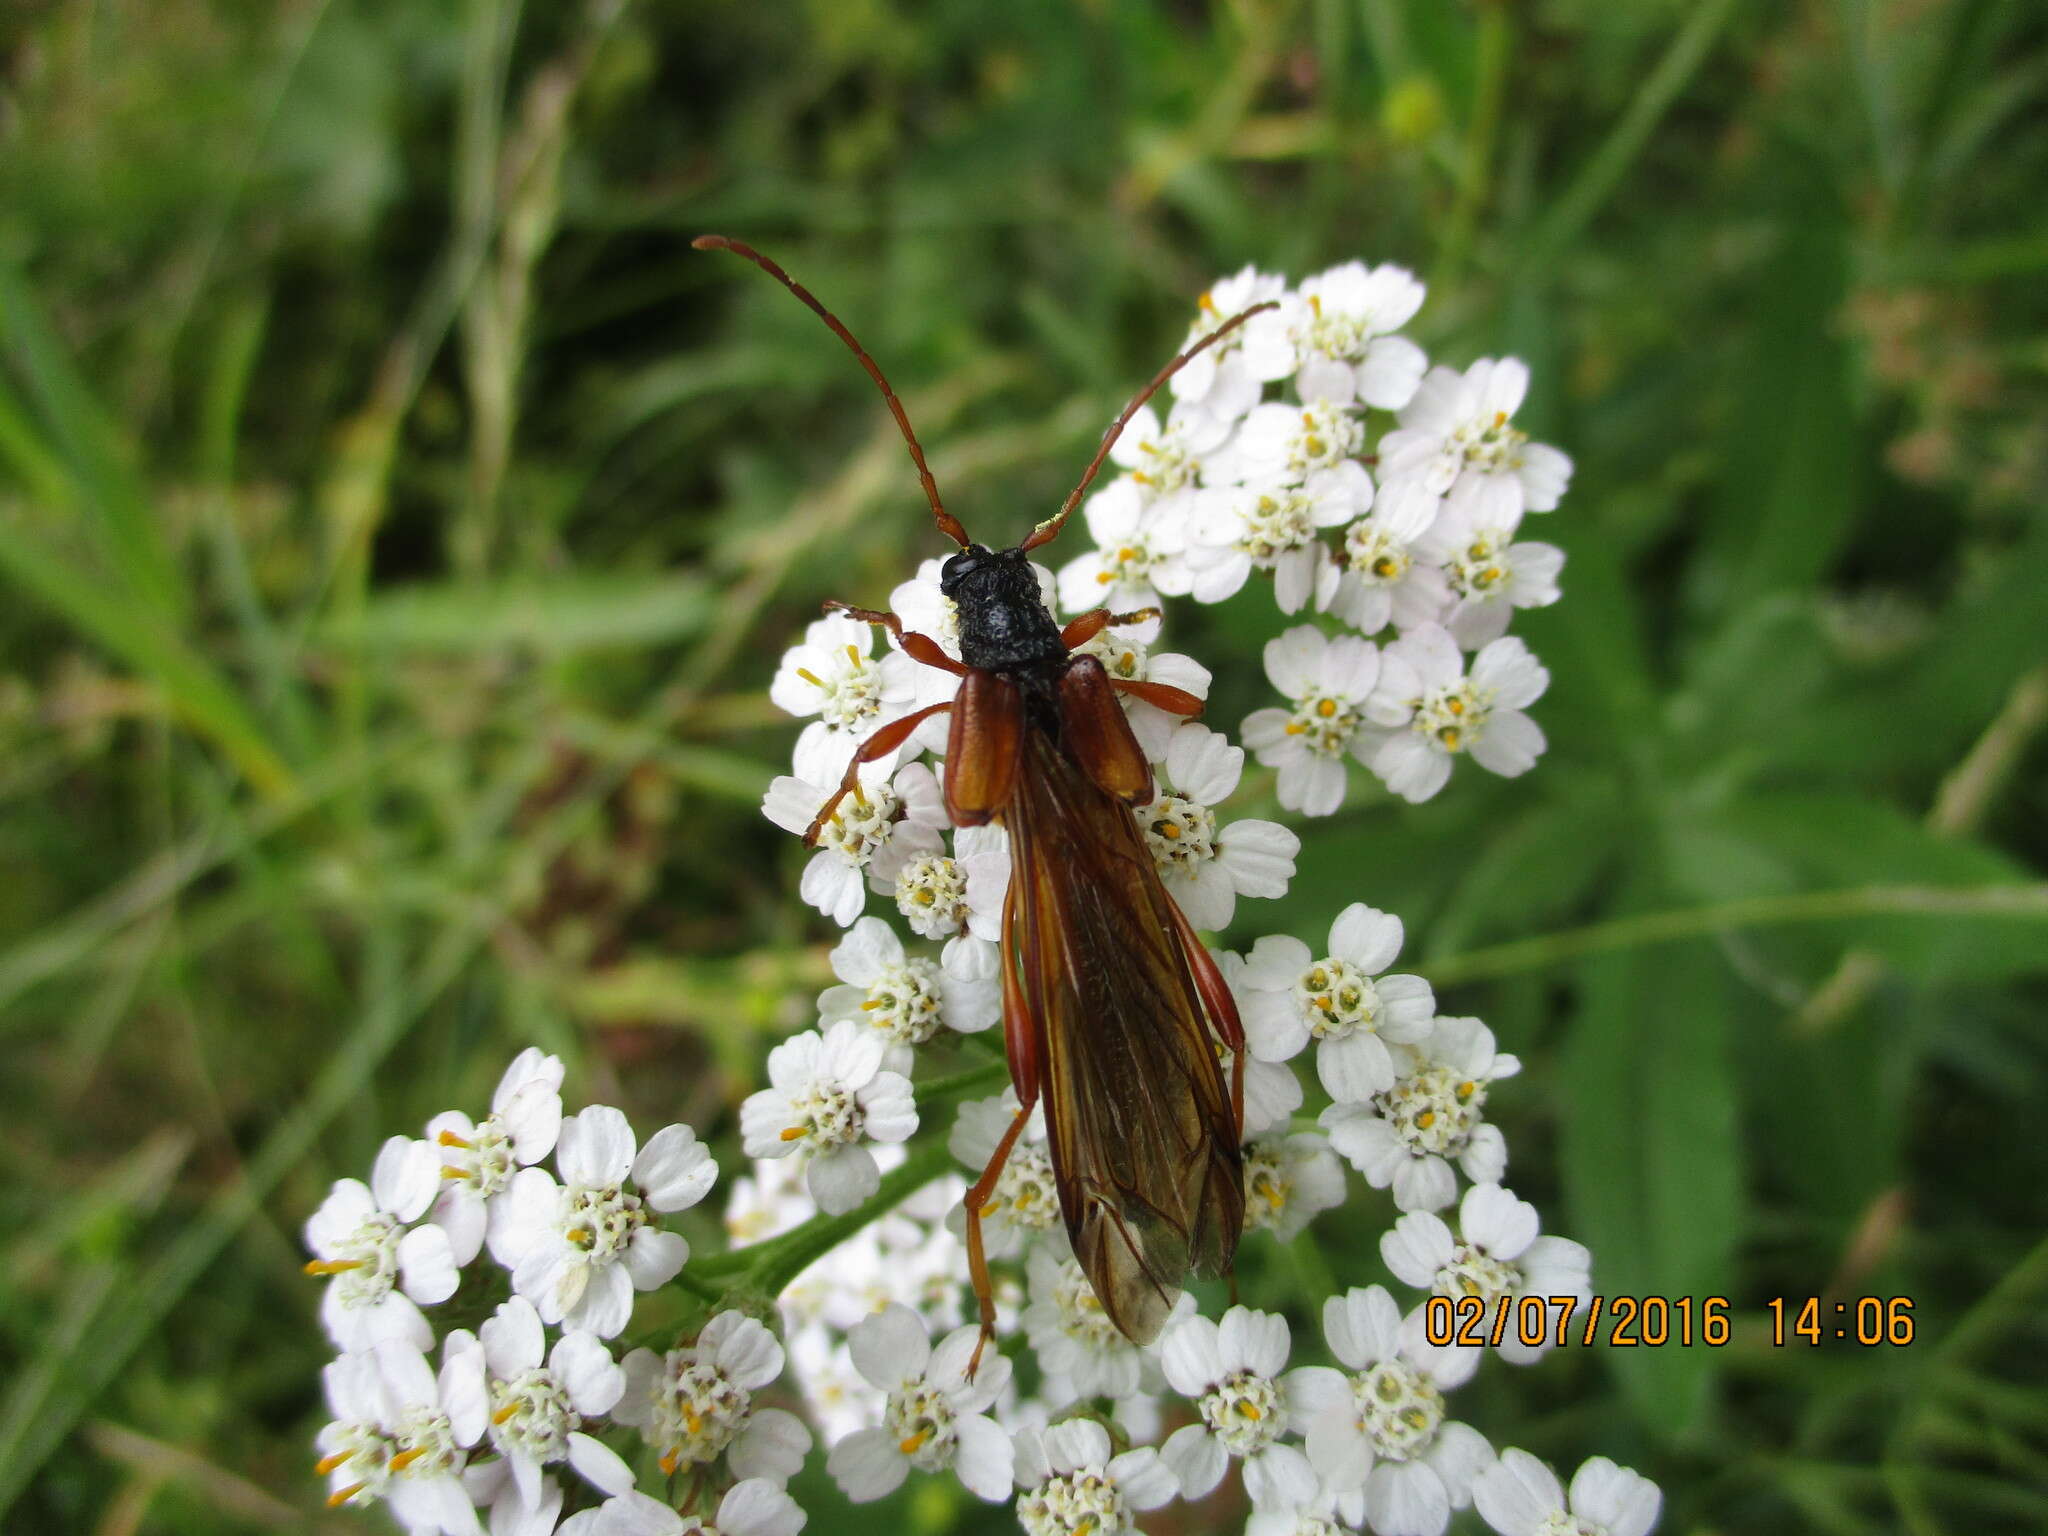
(400, 526)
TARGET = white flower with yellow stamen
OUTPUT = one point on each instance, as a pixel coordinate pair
(1168, 462)
(1140, 553)
(378, 1270)
(1274, 525)
(934, 1418)
(1459, 429)
(1288, 1181)
(1025, 1200)
(1434, 1115)
(401, 1436)
(873, 831)
(1332, 690)
(1387, 577)
(584, 1246)
(907, 999)
(834, 675)
(1205, 866)
(1519, 1496)
(1487, 572)
(829, 1092)
(539, 1400)
(1343, 319)
(1074, 1486)
(1496, 1255)
(1232, 1373)
(1383, 1426)
(696, 1403)
(478, 1158)
(1445, 714)
(1221, 380)
(1340, 999)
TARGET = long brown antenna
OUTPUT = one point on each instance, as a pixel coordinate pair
(949, 525)
(1049, 530)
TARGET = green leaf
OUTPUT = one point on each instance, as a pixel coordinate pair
(139, 636)
(558, 617)
(1791, 453)
(1650, 1155)
(89, 446)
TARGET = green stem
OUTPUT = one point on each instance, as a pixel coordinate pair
(770, 1266)
(2024, 902)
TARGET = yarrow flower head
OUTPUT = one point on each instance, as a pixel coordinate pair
(1458, 438)
(754, 1506)
(1495, 1255)
(934, 1418)
(869, 836)
(696, 1402)
(1339, 999)
(402, 1436)
(1289, 1181)
(830, 1092)
(1445, 714)
(1225, 380)
(1391, 571)
(478, 1158)
(1206, 867)
(540, 1399)
(1344, 319)
(833, 675)
(585, 1245)
(1519, 1496)
(1383, 1427)
(1273, 525)
(1433, 1115)
(380, 1270)
(1235, 1374)
(1074, 1486)
(1332, 690)
(907, 1000)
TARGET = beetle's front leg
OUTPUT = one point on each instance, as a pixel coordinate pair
(1092, 623)
(916, 646)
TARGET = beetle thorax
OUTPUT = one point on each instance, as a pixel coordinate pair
(1004, 623)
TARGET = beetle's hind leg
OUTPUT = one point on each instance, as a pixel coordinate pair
(977, 1256)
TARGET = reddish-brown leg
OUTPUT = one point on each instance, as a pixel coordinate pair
(1220, 1005)
(1020, 1045)
(883, 742)
(917, 647)
(1175, 701)
(1096, 620)
(977, 1259)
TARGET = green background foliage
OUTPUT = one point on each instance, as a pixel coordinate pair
(399, 525)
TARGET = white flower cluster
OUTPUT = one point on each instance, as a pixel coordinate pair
(1380, 491)
(533, 1388)
(1404, 519)
(1272, 459)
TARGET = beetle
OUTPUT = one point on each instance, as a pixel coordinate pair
(1113, 1012)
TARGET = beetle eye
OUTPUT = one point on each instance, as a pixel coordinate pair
(959, 565)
